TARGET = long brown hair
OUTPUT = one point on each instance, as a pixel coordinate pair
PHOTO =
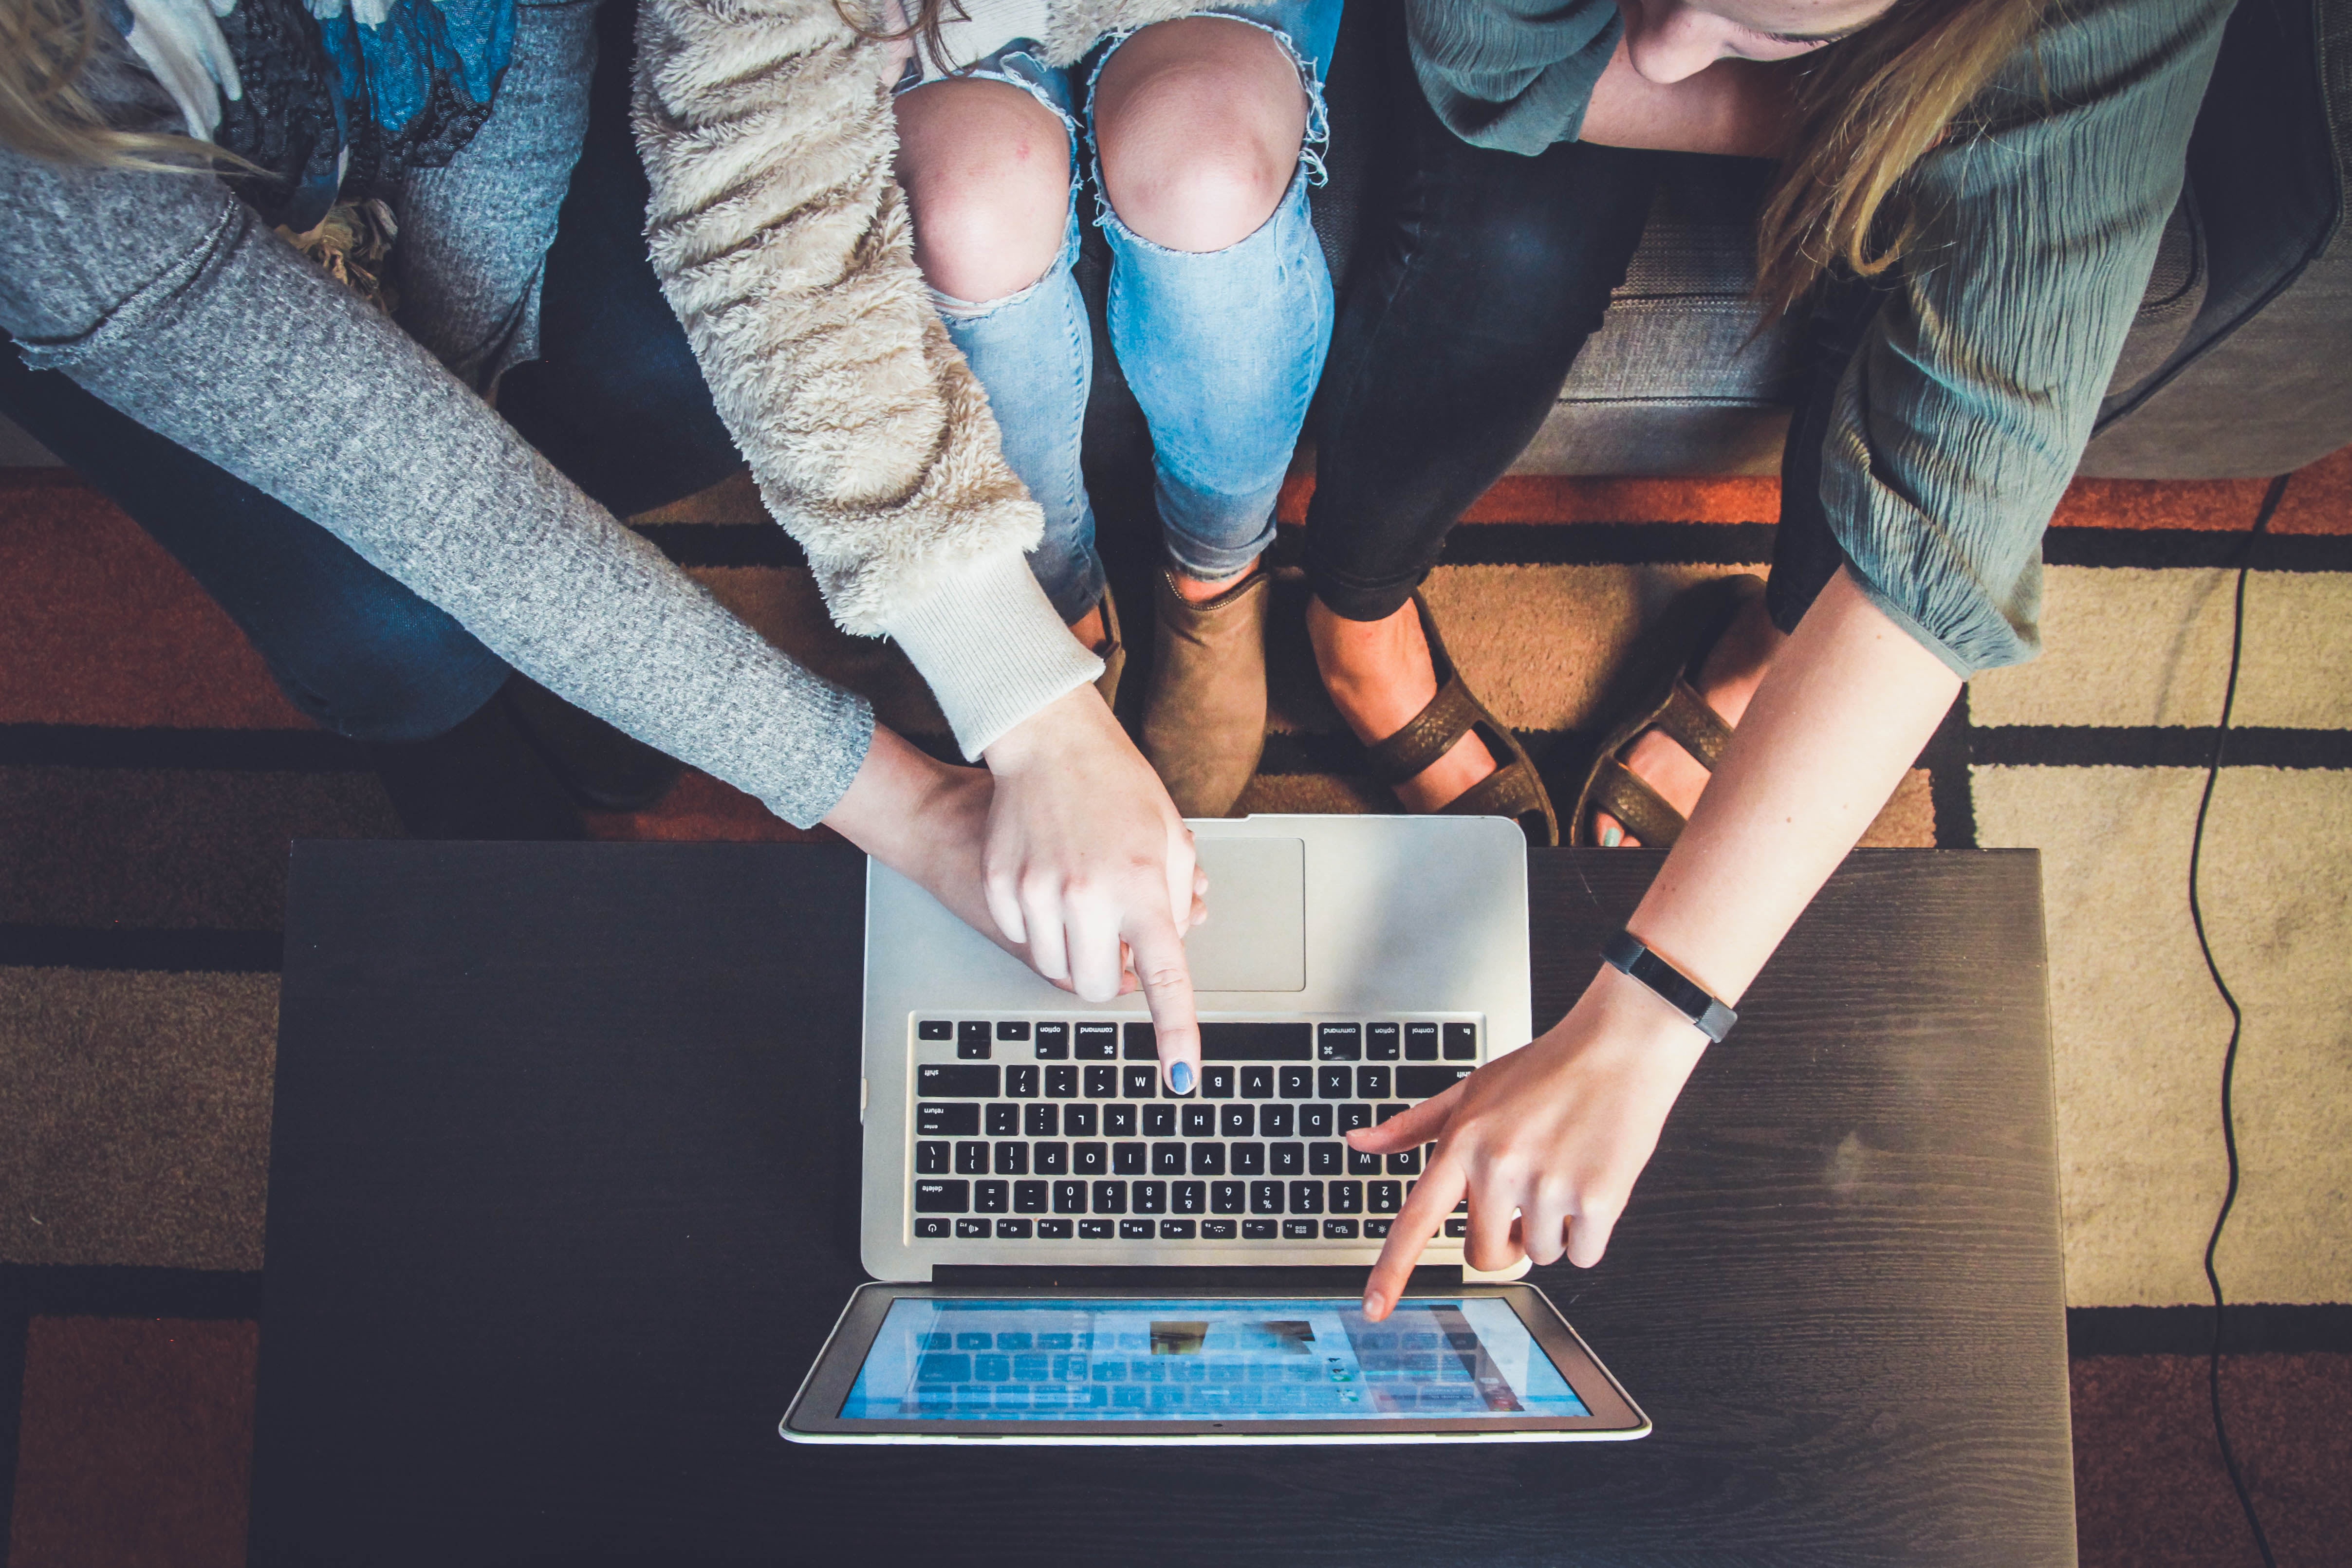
(1873, 107)
(928, 16)
(46, 47)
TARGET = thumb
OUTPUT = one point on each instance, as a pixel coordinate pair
(1422, 1124)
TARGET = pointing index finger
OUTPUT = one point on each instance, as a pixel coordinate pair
(1167, 981)
(1433, 1198)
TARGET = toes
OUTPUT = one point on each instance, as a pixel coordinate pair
(1611, 834)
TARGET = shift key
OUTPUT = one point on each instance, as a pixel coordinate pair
(959, 1080)
(1415, 1082)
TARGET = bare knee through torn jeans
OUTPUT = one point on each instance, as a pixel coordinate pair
(1222, 348)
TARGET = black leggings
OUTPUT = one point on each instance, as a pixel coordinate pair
(1478, 287)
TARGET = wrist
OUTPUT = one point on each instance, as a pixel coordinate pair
(1629, 1011)
(1047, 733)
(897, 790)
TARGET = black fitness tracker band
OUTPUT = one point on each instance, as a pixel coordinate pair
(1625, 952)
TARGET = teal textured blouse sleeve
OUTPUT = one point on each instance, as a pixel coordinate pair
(1964, 412)
(1514, 75)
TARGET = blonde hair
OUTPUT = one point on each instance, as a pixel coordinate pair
(46, 47)
(1873, 106)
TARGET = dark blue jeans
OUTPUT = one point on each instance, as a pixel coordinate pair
(616, 402)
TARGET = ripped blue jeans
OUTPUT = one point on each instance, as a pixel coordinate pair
(1222, 348)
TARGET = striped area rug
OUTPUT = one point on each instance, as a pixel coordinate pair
(151, 777)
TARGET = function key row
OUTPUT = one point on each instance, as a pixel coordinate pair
(1073, 1081)
(976, 1041)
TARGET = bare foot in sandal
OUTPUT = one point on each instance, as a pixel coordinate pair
(1728, 680)
(1379, 675)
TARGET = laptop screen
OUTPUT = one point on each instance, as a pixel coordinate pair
(1223, 1360)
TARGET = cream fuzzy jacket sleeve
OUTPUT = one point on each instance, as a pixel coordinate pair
(783, 244)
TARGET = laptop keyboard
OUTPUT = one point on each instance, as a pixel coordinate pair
(1059, 1130)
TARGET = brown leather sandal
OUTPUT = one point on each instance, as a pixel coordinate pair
(1512, 789)
(1685, 635)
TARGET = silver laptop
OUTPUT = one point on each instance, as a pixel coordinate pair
(1351, 966)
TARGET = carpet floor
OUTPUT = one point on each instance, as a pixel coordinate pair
(151, 776)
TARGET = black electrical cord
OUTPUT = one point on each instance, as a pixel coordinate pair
(2237, 1019)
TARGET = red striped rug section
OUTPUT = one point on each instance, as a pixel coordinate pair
(2319, 502)
(103, 627)
(137, 1444)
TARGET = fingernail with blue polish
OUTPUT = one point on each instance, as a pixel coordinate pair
(1611, 837)
(1180, 1077)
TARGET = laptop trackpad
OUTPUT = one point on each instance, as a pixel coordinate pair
(1255, 937)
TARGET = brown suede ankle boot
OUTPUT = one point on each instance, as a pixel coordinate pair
(1205, 716)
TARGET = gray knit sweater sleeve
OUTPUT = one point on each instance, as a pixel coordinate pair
(165, 297)
(1962, 416)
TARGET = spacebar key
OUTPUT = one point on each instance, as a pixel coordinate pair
(1257, 1042)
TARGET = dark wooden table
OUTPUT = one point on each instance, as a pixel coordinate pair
(562, 1201)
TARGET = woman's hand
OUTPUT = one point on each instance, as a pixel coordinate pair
(1088, 866)
(927, 821)
(1553, 1134)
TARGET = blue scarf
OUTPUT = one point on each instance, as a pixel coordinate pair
(334, 99)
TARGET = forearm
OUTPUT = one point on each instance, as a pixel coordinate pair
(782, 243)
(163, 297)
(1740, 107)
(1847, 706)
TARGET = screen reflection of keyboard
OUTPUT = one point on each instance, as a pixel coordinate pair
(1021, 1373)
(1051, 1130)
